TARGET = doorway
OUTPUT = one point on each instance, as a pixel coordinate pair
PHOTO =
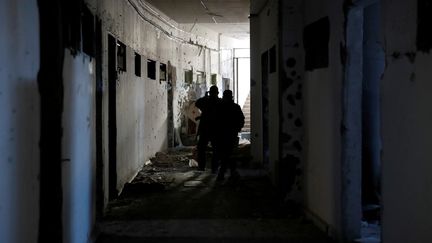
(112, 116)
(99, 124)
(361, 151)
(265, 107)
(242, 85)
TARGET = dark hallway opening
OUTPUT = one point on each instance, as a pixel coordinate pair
(99, 119)
(112, 116)
(362, 135)
(265, 106)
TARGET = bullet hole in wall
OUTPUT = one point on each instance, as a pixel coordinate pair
(291, 100)
(286, 83)
(291, 62)
(411, 56)
(395, 55)
(286, 137)
(293, 73)
(316, 38)
(290, 115)
(298, 122)
(297, 146)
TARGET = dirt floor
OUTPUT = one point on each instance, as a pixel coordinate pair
(169, 201)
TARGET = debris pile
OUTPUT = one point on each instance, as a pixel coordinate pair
(156, 175)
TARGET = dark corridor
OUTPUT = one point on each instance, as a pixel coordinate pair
(170, 202)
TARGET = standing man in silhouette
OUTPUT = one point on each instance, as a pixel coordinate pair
(230, 120)
(206, 131)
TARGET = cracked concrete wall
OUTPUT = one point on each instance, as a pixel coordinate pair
(406, 117)
(19, 121)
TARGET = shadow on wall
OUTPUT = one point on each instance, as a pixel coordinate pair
(24, 166)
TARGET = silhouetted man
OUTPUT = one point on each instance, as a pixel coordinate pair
(230, 120)
(206, 132)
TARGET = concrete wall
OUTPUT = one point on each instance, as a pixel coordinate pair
(142, 111)
(406, 132)
(19, 121)
(78, 148)
(264, 26)
(291, 85)
(322, 111)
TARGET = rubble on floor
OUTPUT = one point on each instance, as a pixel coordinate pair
(155, 175)
(193, 206)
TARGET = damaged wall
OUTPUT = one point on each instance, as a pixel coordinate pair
(141, 103)
(322, 112)
(291, 73)
(406, 118)
(265, 87)
(142, 109)
(19, 121)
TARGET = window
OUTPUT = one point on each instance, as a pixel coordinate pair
(162, 72)
(151, 69)
(137, 64)
(201, 77)
(121, 56)
(214, 79)
(188, 76)
(315, 39)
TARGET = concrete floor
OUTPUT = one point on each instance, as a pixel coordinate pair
(174, 203)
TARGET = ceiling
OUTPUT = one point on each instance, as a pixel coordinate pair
(229, 17)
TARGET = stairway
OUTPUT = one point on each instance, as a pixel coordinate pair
(246, 112)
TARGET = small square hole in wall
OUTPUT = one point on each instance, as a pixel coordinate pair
(162, 72)
(137, 64)
(424, 22)
(316, 38)
(151, 69)
(272, 59)
(121, 56)
(200, 77)
(188, 76)
(213, 79)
